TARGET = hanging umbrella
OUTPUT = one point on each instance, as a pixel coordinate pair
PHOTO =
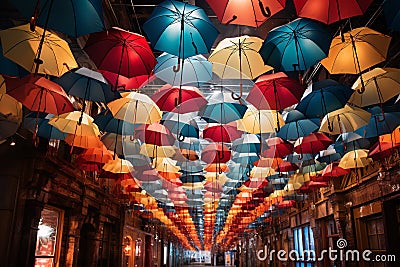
(135, 108)
(10, 116)
(39, 94)
(44, 129)
(286, 166)
(297, 125)
(222, 108)
(121, 145)
(246, 144)
(330, 11)
(83, 141)
(249, 12)
(347, 119)
(356, 51)
(156, 134)
(21, 45)
(355, 159)
(275, 91)
(155, 151)
(393, 137)
(88, 85)
(382, 150)
(98, 155)
(72, 17)
(181, 99)
(238, 58)
(346, 142)
(380, 123)
(120, 51)
(118, 166)
(221, 132)
(329, 155)
(391, 10)
(181, 124)
(296, 46)
(196, 71)
(333, 170)
(312, 143)
(381, 84)
(10, 68)
(215, 153)
(260, 121)
(107, 123)
(245, 158)
(76, 124)
(123, 83)
(180, 29)
(320, 102)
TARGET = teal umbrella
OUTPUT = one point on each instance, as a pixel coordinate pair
(44, 129)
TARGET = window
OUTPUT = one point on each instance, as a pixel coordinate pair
(49, 237)
(376, 234)
(304, 245)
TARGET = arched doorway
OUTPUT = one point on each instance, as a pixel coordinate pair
(87, 246)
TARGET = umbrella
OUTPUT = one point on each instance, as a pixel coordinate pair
(249, 12)
(347, 119)
(180, 29)
(330, 11)
(377, 126)
(196, 71)
(350, 141)
(155, 151)
(320, 102)
(120, 51)
(135, 108)
(72, 17)
(297, 125)
(98, 155)
(126, 84)
(121, 145)
(312, 143)
(333, 170)
(382, 150)
(275, 91)
(239, 54)
(44, 129)
(329, 155)
(21, 45)
(10, 116)
(83, 141)
(296, 46)
(381, 84)
(76, 124)
(156, 134)
(356, 51)
(355, 159)
(184, 126)
(215, 153)
(107, 123)
(118, 166)
(88, 85)
(260, 121)
(394, 137)
(221, 132)
(246, 144)
(9, 67)
(222, 108)
(181, 99)
(39, 94)
(391, 10)
(277, 148)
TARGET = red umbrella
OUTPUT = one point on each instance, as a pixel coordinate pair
(311, 186)
(188, 98)
(96, 154)
(277, 148)
(333, 170)
(120, 51)
(286, 166)
(87, 165)
(221, 132)
(39, 94)
(275, 91)
(287, 204)
(215, 153)
(330, 11)
(149, 175)
(213, 187)
(312, 143)
(125, 84)
(250, 12)
(382, 150)
(255, 183)
(156, 134)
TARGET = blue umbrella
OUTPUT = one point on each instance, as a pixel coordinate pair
(297, 125)
(247, 144)
(192, 178)
(87, 84)
(107, 123)
(380, 123)
(195, 71)
(180, 29)
(45, 130)
(72, 17)
(329, 155)
(391, 9)
(350, 141)
(9, 67)
(181, 124)
(325, 99)
(296, 46)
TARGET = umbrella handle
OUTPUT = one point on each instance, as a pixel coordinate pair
(236, 97)
(265, 11)
(383, 115)
(33, 20)
(234, 17)
(177, 68)
(181, 137)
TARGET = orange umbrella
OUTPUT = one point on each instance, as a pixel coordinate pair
(83, 141)
(96, 154)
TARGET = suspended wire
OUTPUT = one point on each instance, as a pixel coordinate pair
(136, 18)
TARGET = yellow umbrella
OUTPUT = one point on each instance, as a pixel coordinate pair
(344, 120)
(69, 123)
(155, 151)
(221, 179)
(10, 116)
(381, 84)
(356, 50)
(166, 165)
(355, 159)
(261, 172)
(118, 166)
(135, 108)
(21, 45)
(260, 121)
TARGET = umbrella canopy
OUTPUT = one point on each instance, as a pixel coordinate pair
(183, 125)
(330, 11)
(39, 94)
(196, 70)
(240, 54)
(221, 132)
(44, 129)
(297, 125)
(120, 51)
(277, 148)
(382, 150)
(156, 134)
(21, 45)
(296, 46)
(88, 85)
(333, 170)
(391, 9)
(107, 123)
(249, 12)
(72, 17)
(9, 67)
(360, 49)
(320, 102)
(10, 116)
(118, 166)
(380, 123)
(135, 108)
(123, 83)
(180, 99)
(75, 123)
(83, 141)
(98, 155)
(180, 29)
(260, 121)
(215, 153)
(347, 119)
(122, 145)
(246, 144)
(350, 141)
(312, 143)
(381, 84)
(275, 91)
(355, 159)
